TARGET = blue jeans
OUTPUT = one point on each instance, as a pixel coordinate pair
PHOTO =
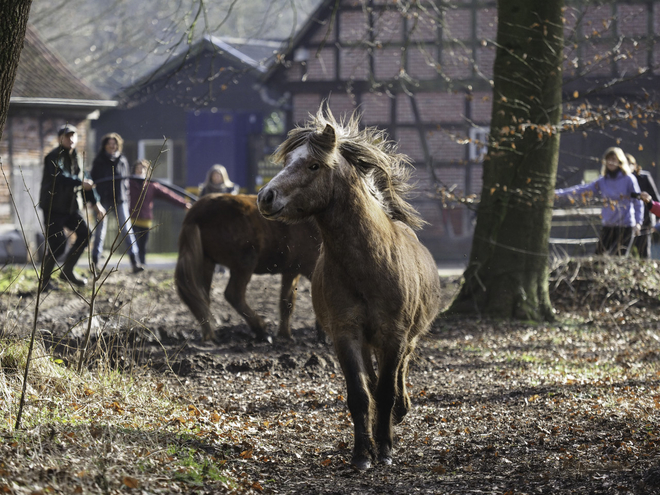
(124, 223)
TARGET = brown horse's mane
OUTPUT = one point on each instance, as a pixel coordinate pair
(369, 150)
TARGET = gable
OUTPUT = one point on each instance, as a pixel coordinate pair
(42, 74)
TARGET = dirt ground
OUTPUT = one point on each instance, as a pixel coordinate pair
(569, 407)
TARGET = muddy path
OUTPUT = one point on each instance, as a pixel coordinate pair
(497, 407)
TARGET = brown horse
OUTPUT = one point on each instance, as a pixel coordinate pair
(228, 230)
(375, 288)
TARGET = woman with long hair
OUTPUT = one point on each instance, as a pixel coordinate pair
(110, 174)
(622, 212)
(217, 181)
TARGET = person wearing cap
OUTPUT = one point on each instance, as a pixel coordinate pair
(62, 186)
(109, 171)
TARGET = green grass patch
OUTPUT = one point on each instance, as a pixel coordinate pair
(18, 278)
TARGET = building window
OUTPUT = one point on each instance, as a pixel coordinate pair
(160, 154)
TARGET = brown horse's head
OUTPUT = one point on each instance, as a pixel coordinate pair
(324, 154)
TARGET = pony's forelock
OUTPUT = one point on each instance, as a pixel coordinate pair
(369, 150)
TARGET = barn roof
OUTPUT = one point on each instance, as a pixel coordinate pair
(43, 78)
(251, 54)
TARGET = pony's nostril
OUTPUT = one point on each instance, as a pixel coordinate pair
(269, 196)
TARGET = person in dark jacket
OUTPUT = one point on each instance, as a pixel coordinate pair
(217, 181)
(646, 184)
(142, 193)
(109, 172)
(62, 186)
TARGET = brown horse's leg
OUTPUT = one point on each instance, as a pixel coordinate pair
(389, 364)
(207, 279)
(235, 295)
(287, 303)
(360, 403)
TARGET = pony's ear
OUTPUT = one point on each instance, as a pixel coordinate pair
(329, 136)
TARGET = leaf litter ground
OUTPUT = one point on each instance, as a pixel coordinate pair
(498, 407)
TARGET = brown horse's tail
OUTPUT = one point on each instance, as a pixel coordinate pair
(193, 283)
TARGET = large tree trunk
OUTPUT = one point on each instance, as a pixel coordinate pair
(507, 276)
(14, 15)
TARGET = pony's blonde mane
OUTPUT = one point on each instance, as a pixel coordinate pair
(369, 150)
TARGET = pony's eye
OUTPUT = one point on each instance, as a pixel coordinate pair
(314, 166)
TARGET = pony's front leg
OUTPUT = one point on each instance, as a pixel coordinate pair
(287, 303)
(389, 364)
(360, 403)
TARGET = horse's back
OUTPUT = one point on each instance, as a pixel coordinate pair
(230, 226)
(234, 234)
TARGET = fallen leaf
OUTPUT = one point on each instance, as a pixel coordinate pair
(130, 482)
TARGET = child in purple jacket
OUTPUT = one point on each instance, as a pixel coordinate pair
(142, 194)
(622, 213)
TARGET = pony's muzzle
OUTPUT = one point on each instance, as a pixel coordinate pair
(265, 200)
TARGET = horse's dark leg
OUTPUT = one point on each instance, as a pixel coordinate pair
(402, 401)
(287, 303)
(320, 333)
(235, 295)
(360, 404)
(367, 358)
(207, 279)
(389, 363)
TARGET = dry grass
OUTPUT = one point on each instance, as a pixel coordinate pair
(98, 432)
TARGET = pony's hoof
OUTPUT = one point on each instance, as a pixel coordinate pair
(385, 460)
(265, 338)
(361, 463)
(285, 336)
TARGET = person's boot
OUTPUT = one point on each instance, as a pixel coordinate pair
(137, 266)
(67, 270)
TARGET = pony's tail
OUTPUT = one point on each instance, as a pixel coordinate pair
(190, 277)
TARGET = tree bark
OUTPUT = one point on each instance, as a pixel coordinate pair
(14, 15)
(507, 276)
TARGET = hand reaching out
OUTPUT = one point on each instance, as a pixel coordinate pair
(100, 211)
(88, 184)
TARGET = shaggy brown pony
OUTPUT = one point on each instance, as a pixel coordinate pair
(228, 230)
(375, 288)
